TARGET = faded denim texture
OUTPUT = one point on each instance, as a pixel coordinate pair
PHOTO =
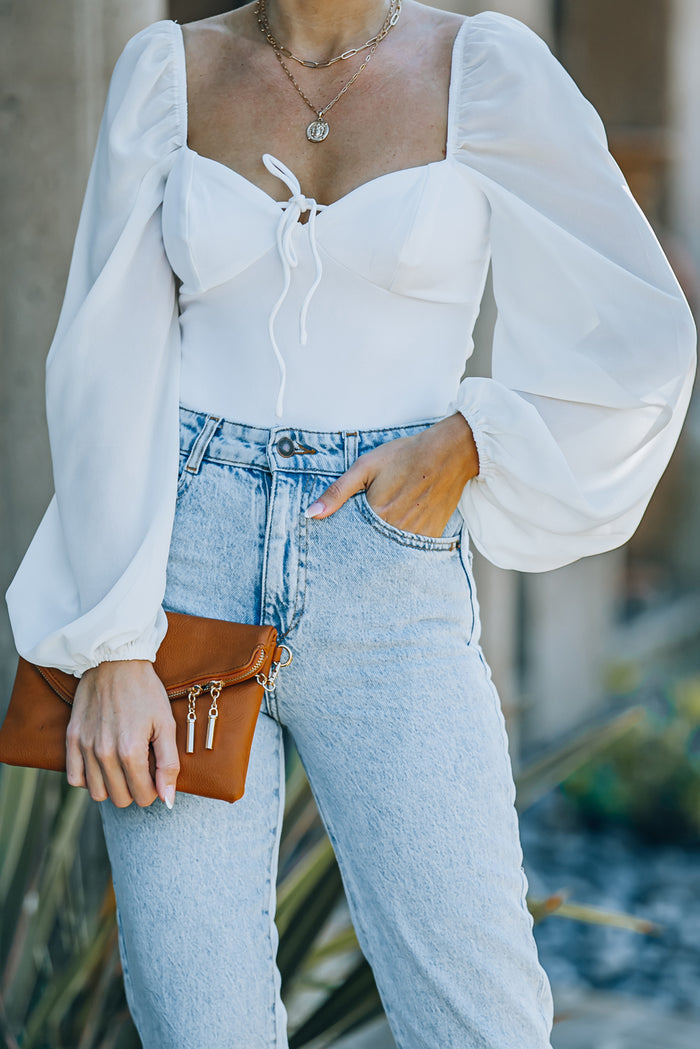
(392, 708)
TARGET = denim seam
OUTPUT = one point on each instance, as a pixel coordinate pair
(464, 556)
(304, 468)
(543, 982)
(126, 975)
(269, 696)
(302, 543)
(208, 460)
(272, 883)
(429, 544)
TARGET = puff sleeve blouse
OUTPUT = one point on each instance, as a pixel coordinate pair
(593, 358)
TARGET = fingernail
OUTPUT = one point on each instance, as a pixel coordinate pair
(315, 509)
(169, 796)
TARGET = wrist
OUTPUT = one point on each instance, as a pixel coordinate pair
(456, 433)
(109, 667)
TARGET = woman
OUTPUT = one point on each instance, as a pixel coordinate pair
(256, 414)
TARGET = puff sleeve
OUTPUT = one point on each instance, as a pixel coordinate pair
(91, 583)
(594, 346)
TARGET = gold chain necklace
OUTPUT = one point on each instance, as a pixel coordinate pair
(389, 23)
(318, 129)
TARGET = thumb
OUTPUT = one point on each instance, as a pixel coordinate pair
(353, 480)
(167, 760)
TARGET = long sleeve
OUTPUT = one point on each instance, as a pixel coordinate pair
(594, 346)
(91, 584)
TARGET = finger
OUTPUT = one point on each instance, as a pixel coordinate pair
(355, 479)
(93, 775)
(116, 783)
(133, 759)
(75, 766)
(107, 758)
(167, 760)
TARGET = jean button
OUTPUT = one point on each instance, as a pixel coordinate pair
(285, 446)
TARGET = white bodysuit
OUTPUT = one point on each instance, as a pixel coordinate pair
(189, 284)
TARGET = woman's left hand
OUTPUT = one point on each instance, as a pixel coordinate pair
(414, 483)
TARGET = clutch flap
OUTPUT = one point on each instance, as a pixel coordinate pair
(195, 651)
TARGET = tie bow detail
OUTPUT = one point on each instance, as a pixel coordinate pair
(292, 209)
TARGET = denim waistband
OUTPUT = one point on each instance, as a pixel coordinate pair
(292, 449)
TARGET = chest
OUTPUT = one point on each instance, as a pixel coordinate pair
(394, 116)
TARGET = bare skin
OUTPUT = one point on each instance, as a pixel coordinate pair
(240, 105)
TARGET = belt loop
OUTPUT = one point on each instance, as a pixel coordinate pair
(201, 443)
(350, 448)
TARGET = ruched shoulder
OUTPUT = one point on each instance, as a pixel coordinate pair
(594, 347)
(91, 583)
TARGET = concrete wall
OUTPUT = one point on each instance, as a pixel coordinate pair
(55, 62)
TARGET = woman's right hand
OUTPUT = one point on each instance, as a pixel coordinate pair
(120, 709)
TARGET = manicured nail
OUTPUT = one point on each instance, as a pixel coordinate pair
(169, 796)
(315, 509)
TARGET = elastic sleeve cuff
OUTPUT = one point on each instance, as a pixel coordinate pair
(468, 407)
(144, 647)
(481, 441)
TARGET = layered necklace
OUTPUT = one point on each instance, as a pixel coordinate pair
(318, 128)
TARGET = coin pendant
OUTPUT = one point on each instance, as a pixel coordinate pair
(317, 130)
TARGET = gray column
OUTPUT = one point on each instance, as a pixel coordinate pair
(685, 219)
(537, 14)
(569, 614)
(55, 63)
(685, 91)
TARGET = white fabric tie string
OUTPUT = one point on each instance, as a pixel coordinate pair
(292, 209)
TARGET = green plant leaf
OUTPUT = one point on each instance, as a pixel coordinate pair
(355, 1002)
(558, 906)
(17, 792)
(533, 782)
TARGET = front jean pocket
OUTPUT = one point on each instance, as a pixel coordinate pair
(449, 541)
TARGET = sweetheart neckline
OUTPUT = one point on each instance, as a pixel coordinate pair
(322, 208)
(452, 91)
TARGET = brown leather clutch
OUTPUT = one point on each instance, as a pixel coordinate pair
(215, 674)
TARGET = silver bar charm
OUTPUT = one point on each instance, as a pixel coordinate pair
(191, 716)
(215, 689)
(211, 725)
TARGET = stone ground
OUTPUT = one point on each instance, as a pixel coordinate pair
(600, 1020)
(588, 1020)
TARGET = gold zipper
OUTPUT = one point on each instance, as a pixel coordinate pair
(230, 679)
(47, 679)
(252, 668)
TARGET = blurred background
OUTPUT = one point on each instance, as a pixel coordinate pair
(597, 664)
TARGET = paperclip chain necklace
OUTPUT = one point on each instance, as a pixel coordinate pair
(389, 23)
(318, 129)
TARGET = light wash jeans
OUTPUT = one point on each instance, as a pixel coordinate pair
(399, 727)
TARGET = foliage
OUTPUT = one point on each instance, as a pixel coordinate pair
(60, 976)
(649, 779)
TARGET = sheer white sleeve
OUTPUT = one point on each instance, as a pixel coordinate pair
(594, 347)
(91, 584)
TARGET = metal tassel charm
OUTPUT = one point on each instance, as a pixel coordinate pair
(191, 716)
(213, 714)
